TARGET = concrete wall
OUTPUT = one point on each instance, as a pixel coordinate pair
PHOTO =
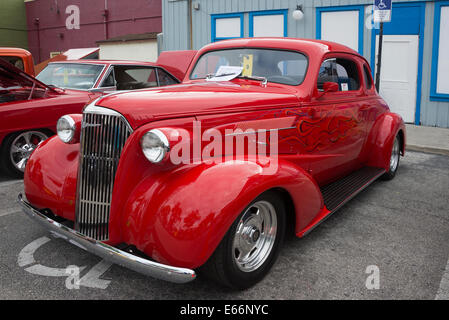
(124, 17)
(13, 24)
(176, 34)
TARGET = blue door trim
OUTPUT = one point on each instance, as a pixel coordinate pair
(403, 30)
(214, 18)
(252, 14)
(434, 96)
(360, 9)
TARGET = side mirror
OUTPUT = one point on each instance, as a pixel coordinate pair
(330, 87)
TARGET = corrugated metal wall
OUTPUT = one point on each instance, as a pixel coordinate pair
(175, 24)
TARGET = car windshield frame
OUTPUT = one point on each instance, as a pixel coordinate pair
(306, 69)
(100, 73)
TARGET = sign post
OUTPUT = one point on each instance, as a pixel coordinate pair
(382, 13)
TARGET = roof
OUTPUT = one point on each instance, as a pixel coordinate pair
(119, 62)
(282, 43)
(15, 51)
(132, 37)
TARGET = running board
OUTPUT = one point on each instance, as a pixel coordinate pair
(337, 193)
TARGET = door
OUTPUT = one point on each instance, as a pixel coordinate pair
(333, 133)
(399, 73)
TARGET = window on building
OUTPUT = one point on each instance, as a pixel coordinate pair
(227, 26)
(342, 25)
(440, 67)
(341, 71)
(268, 23)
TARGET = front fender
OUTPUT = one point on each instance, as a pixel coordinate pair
(50, 177)
(181, 217)
(381, 138)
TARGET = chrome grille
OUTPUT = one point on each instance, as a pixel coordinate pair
(103, 135)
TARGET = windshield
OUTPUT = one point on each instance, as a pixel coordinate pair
(279, 66)
(71, 75)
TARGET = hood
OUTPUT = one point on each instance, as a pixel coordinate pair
(11, 76)
(143, 106)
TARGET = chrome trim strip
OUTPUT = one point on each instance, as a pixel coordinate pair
(257, 131)
(93, 109)
(100, 149)
(109, 253)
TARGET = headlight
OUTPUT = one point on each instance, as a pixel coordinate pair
(155, 145)
(66, 128)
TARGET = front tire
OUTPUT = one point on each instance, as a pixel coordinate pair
(394, 160)
(17, 148)
(251, 245)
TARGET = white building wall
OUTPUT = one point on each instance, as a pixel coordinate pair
(141, 50)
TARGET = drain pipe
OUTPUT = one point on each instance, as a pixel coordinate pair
(105, 19)
(190, 25)
(36, 22)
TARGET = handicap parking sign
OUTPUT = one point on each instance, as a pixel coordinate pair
(382, 10)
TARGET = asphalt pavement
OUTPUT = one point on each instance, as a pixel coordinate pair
(389, 242)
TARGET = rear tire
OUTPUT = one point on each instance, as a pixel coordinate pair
(17, 148)
(394, 160)
(251, 245)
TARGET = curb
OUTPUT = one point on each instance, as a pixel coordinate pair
(426, 149)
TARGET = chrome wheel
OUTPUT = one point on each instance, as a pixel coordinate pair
(22, 147)
(255, 236)
(395, 153)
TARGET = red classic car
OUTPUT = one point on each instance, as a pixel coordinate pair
(264, 136)
(30, 108)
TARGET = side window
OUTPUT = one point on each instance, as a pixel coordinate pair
(135, 77)
(328, 73)
(164, 78)
(368, 79)
(341, 71)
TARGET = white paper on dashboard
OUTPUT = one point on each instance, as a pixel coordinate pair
(226, 73)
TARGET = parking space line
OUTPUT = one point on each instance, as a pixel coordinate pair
(443, 290)
(11, 211)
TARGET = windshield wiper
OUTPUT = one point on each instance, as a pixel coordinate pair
(210, 75)
(257, 78)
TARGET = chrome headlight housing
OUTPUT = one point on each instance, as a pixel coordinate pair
(155, 145)
(66, 128)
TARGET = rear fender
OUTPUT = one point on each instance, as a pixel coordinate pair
(381, 138)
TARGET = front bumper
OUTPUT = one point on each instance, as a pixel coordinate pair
(107, 252)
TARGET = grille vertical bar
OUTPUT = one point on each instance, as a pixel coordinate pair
(103, 136)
